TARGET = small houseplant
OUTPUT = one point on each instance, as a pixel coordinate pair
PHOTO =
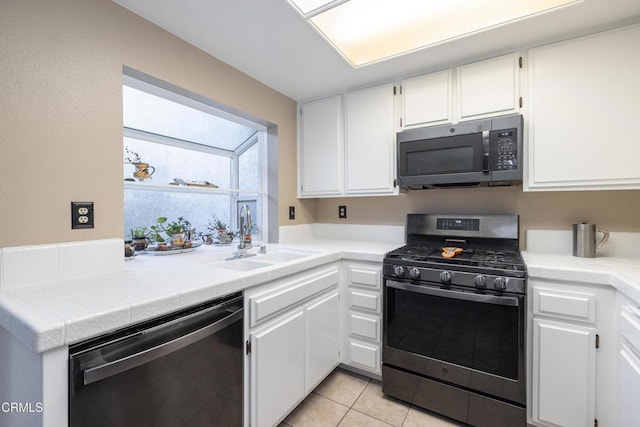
(142, 168)
(157, 229)
(174, 230)
(139, 237)
(218, 226)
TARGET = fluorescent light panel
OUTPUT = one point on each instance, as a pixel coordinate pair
(366, 31)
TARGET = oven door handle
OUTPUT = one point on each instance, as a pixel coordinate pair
(459, 295)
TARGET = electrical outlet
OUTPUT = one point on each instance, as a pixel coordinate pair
(342, 211)
(81, 215)
(292, 212)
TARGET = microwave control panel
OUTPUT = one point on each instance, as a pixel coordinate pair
(504, 144)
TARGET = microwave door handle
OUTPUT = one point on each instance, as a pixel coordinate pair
(485, 151)
(459, 295)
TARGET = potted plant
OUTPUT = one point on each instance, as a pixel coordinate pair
(142, 168)
(174, 230)
(157, 229)
(218, 226)
(207, 238)
(187, 229)
(139, 237)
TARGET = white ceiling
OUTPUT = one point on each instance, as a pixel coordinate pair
(269, 40)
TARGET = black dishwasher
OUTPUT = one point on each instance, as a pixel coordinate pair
(182, 369)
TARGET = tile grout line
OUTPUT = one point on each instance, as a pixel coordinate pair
(375, 418)
(355, 400)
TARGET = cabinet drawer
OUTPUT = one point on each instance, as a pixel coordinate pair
(364, 300)
(630, 328)
(364, 276)
(265, 305)
(364, 326)
(566, 305)
(364, 355)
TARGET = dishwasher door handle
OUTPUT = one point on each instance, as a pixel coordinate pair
(109, 369)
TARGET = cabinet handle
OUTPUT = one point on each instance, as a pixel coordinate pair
(635, 311)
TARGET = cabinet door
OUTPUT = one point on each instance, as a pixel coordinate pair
(277, 369)
(583, 112)
(563, 374)
(370, 141)
(489, 88)
(427, 100)
(628, 388)
(320, 147)
(322, 339)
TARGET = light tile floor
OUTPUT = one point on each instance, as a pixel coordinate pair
(346, 399)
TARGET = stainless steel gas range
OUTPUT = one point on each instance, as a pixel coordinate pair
(455, 318)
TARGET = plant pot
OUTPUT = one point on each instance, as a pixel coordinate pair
(142, 171)
(140, 243)
(129, 249)
(177, 239)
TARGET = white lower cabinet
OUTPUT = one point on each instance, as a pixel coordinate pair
(321, 338)
(362, 284)
(628, 407)
(277, 369)
(292, 327)
(572, 348)
(364, 355)
(564, 363)
(628, 388)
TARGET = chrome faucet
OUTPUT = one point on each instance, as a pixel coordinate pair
(245, 224)
(245, 228)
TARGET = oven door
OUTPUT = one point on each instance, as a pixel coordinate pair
(475, 340)
(461, 159)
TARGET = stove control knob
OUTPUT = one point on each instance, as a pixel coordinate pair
(480, 281)
(414, 273)
(398, 270)
(500, 283)
(445, 277)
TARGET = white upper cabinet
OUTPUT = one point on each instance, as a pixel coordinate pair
(584, 109)
(481, 89)
(428, 99)
(488, 88)
(370, 141)
(320, 164)
(350, 152)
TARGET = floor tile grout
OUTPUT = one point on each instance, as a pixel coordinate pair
(367, 382)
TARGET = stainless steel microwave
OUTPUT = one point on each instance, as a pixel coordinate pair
(469, 154)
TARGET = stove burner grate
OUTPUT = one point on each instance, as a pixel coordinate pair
(494, 259)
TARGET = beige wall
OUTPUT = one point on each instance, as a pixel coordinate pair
(61, 130)
(61, 112)
(615, 210)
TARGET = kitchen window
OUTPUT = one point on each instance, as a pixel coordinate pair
(203, 162)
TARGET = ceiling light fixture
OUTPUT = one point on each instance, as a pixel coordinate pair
(367, 31)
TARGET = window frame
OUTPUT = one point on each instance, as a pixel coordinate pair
(259, 137)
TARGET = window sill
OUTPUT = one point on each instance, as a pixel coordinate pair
(152, 186)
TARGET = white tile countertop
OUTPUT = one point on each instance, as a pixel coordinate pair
(45, 314)
(50, 314)
(548, 255)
